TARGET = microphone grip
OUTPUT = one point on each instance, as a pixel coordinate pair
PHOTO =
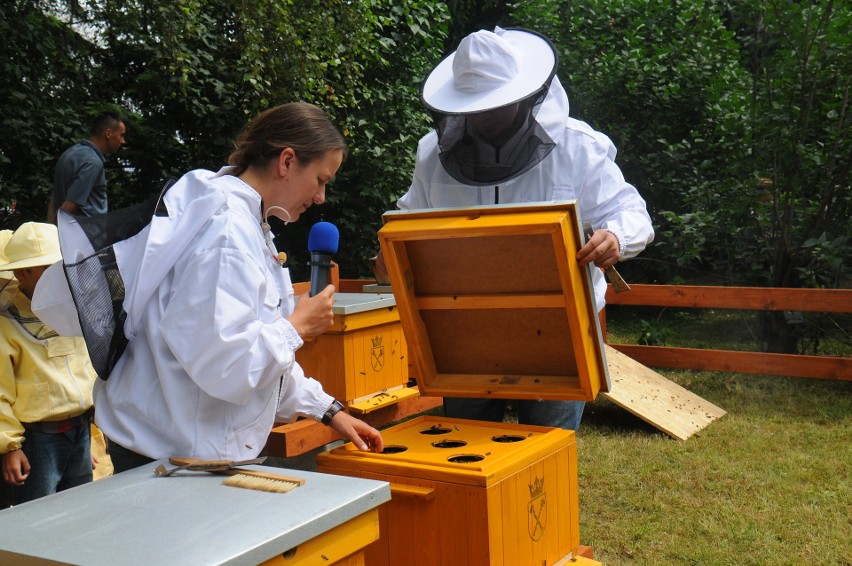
(320, 272)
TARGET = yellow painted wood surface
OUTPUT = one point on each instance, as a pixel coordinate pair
(356, 559)
(103, 468)
(518, 506)
(578, 561)
(376, 401)
(342, 545)
(362, 354)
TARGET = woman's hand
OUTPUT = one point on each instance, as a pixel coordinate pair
(313, 315)
(365, 437)
(602, 248)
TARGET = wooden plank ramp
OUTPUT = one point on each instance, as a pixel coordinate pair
(656, 400)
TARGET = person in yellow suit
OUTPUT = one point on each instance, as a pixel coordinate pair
(8, 287)
(46, 381)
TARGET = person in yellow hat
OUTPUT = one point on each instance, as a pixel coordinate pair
(8, 283)
(46, 381)
(8, 287)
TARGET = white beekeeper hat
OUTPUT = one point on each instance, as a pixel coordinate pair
(490, 70)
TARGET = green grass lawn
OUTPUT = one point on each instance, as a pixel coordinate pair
(768, 483)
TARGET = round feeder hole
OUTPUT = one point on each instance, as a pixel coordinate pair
(436, 429)
(507, 438)
(394, 449)
(465, 458)
(449, 443)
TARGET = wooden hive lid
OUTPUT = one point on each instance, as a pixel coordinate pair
(493, 302)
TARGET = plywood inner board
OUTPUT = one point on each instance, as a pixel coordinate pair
(509, 387)
(500, 341)
(511, 263)
(656, 400)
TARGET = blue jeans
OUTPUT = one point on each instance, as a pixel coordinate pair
(554, 414)
(58, 461)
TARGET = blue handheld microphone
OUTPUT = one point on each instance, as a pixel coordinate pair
(322, 243)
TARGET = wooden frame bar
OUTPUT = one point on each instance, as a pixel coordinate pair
(742, 298)
(745, 298)
(288, 440)
(762, 363)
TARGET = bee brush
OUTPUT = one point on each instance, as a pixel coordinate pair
(261, 481)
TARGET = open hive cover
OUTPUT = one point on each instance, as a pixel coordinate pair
(493, 302)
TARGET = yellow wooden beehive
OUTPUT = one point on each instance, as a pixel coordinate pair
(494, 303)
(362, 359)
(469, 492)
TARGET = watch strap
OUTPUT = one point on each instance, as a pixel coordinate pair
(335, 407)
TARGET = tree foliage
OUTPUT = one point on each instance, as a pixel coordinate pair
(44, 98)
(800, 59)
(382, 126)
(653, 75)
(189, 74)
(731, 117)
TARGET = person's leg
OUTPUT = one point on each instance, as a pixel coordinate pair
(554, 414)
(77, 455)
(43, 451)
(124, 459)
(475, 409)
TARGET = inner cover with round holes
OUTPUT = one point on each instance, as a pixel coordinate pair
(453, 450)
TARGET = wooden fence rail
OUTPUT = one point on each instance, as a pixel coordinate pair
(741, 298)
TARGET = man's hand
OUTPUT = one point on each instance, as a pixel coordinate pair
(380, 269)
(365, 437)
(602, 249)
(313, 315)
(16, 467)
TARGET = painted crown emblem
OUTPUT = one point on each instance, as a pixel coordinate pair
(536, 488)
(377, 341)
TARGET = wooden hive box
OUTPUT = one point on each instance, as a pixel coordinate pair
(493, 302)
(362, 359)
(469, 492)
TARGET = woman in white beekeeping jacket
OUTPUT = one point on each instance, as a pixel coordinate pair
(213, 325)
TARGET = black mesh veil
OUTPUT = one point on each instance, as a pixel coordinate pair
(473, 160)
(95, 281)
(32, 325)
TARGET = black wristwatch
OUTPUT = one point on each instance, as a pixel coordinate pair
(335, 407)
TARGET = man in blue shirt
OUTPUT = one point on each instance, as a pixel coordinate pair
(79, 182)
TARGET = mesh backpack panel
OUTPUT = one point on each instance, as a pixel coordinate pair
(95, 281)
